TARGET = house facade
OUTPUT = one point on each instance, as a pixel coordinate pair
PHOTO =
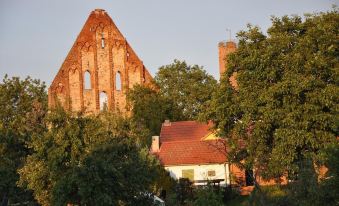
(188, 149)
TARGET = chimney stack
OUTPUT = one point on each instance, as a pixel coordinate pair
(225, 48)
(155, 144)
(167, 123)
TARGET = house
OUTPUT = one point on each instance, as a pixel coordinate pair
(189, 149)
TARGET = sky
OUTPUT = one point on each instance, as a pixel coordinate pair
(36, 35)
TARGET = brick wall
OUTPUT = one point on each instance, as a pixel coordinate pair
(102, 52)
(225, 48)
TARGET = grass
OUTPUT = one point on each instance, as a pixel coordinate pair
(240, 200)
(271, 194)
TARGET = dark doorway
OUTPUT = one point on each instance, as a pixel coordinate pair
(249, 177)
(163, 194)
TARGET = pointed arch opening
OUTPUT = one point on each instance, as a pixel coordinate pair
(102, 40)
(103, 100)
(87, 80)
(118, 81)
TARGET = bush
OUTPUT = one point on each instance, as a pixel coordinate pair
(208, 195)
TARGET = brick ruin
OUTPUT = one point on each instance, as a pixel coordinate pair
(225, 48)
(98, 71)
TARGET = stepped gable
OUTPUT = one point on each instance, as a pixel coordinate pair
(99, 70)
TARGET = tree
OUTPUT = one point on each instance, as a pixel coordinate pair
(149, 108)
(305, 190)
(286, 106)
(23, 106)
(208, 196)
(88, 160)
(186, 89)
(181, 94)
(114, 173)
(329, 190)
(184, 191)
(164, 184)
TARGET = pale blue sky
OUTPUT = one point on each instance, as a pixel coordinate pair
(36, 35)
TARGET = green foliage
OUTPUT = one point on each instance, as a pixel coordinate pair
(268, 195)
(164, 182)
(87, 160)
(239, 200)
(286, 106)
(184, 191)
(112, 173)
(329, 189)
(23, 106)
(123, 126)
(181, 94)
(149, 108)
(186, 87)
(305, 190)
(208, 196)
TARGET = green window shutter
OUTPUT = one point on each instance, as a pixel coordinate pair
(188, 174)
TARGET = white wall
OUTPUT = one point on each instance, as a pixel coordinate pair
(200, 172)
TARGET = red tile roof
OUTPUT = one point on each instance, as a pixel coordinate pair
(181, 144)
(184, 130)
(192, 152)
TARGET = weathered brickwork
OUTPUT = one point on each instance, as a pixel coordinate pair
(102, 53)
(225, 48)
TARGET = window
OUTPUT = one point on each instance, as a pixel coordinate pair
(102, 43)
(102, 40)
(117, 81)
(60, 87)
(188, 174)
(103, 101)
(87, 80)
(211, 173)
(249, 177)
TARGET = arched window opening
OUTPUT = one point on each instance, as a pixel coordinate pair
(87, 80)
(103, 101)
(118, 81)
(102, 40)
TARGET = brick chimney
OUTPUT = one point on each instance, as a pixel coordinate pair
(167, 123)
(225, 48)
(155, 144)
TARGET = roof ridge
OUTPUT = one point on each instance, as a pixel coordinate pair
(191, 121)
(194, 140)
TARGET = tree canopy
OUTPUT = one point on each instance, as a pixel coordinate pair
(182, 93)
(188, 88)
(88, 160)
(149, 108)
(286, 106)
(23, 106)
